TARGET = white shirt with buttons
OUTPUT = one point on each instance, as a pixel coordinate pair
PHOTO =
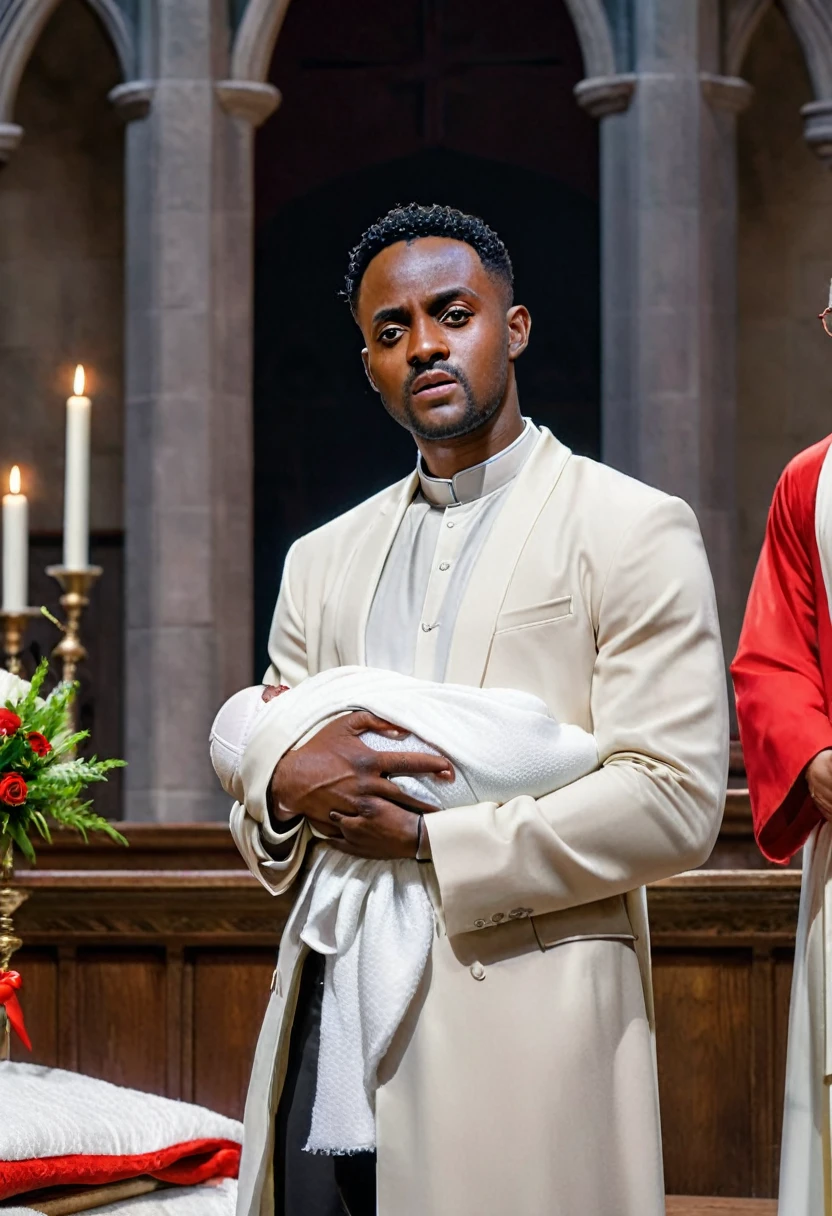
(419, 594)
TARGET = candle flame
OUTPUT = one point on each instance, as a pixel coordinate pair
(80, 381)
(14, 480)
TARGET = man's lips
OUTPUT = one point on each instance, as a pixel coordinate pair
(432, 384)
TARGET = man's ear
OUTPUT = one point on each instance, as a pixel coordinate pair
(519, 327)
(365, 359)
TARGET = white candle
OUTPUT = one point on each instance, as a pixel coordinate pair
(77, 478)
(15, 546)
(830, 293)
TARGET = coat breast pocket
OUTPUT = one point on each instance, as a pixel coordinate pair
(546, 648)
(533, 615)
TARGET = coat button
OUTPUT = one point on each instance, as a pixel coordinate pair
(478, 971)
(498, 916)
(479, 924)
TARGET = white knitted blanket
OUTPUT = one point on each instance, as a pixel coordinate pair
(373, 920)
(50, 1112)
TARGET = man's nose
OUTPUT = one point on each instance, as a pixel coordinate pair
(427, 342)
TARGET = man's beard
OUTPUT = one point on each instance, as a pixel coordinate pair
(475, 415)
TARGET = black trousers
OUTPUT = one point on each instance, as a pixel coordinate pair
(313, 1184)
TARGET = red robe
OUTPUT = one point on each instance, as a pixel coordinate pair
(783, 668)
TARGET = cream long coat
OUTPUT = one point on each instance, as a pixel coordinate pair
(592, 591)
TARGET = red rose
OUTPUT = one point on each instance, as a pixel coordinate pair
(39, 743)
(13, 789)
(9, 722)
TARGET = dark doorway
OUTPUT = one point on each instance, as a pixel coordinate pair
(448, 103)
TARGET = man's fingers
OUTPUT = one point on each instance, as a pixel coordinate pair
(349, 826)
(404, 764)
(361, 720)
(390, 792)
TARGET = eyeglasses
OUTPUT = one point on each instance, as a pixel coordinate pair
(825, 319)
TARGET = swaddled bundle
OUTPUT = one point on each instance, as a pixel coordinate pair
(373, 920)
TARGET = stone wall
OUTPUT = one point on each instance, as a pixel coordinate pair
(61, 267)
(785, 263)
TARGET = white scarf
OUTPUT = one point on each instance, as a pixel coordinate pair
(373, 920)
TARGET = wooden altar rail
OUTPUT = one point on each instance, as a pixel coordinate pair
(208, 846)
(158, 979)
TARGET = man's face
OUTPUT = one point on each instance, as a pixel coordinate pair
(438, 334)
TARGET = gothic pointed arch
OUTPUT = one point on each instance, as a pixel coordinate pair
(21, 25)
(811, 21)
(262, 21)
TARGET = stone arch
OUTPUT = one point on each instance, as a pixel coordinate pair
(256, 39)
(260, 28)
(20, 28)
(811, 21)
(595, 37)
(743, 20)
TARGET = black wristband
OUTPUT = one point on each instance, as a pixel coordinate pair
(421, 860)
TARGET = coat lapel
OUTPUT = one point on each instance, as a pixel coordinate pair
(365, 565)
(496, 563)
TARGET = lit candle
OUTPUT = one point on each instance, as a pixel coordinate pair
(77, 477)
(15, 546)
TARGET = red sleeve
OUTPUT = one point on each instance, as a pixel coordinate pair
(781, 702)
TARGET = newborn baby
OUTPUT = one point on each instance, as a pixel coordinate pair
(374, 920)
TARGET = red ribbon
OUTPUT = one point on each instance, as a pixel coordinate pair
(10, 983)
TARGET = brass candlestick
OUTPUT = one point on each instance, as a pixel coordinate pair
(13, 623)
(11, 899)
(76, 585)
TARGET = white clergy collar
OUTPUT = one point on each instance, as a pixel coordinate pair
(480, 479)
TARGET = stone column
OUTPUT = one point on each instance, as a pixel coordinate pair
(669, 219)
(188, 442)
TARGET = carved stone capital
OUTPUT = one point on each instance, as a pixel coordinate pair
(133, 99)
(248, 99)
(730, 93)
(10, 136)
(817, 128)
(603, 95)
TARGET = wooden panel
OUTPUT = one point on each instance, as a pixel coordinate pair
(702, 1013)
(121, 1017)
(685, 1205)
(208, 846)
(231, 991)
(160, 977)
(152, 846)
(39, 999)
(783, 969)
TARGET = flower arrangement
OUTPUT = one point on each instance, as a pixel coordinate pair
(40, 778)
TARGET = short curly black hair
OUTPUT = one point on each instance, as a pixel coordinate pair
(414, 220)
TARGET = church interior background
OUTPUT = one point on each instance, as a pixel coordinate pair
(180, 183)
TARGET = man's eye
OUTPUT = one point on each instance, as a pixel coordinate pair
(389, 334)
(456, 316)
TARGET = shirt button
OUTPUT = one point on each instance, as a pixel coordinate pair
(450, 523)
(444, 565)
(426, 628)
(478, 971)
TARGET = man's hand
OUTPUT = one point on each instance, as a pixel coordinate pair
(819, 781)
(343, 787)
